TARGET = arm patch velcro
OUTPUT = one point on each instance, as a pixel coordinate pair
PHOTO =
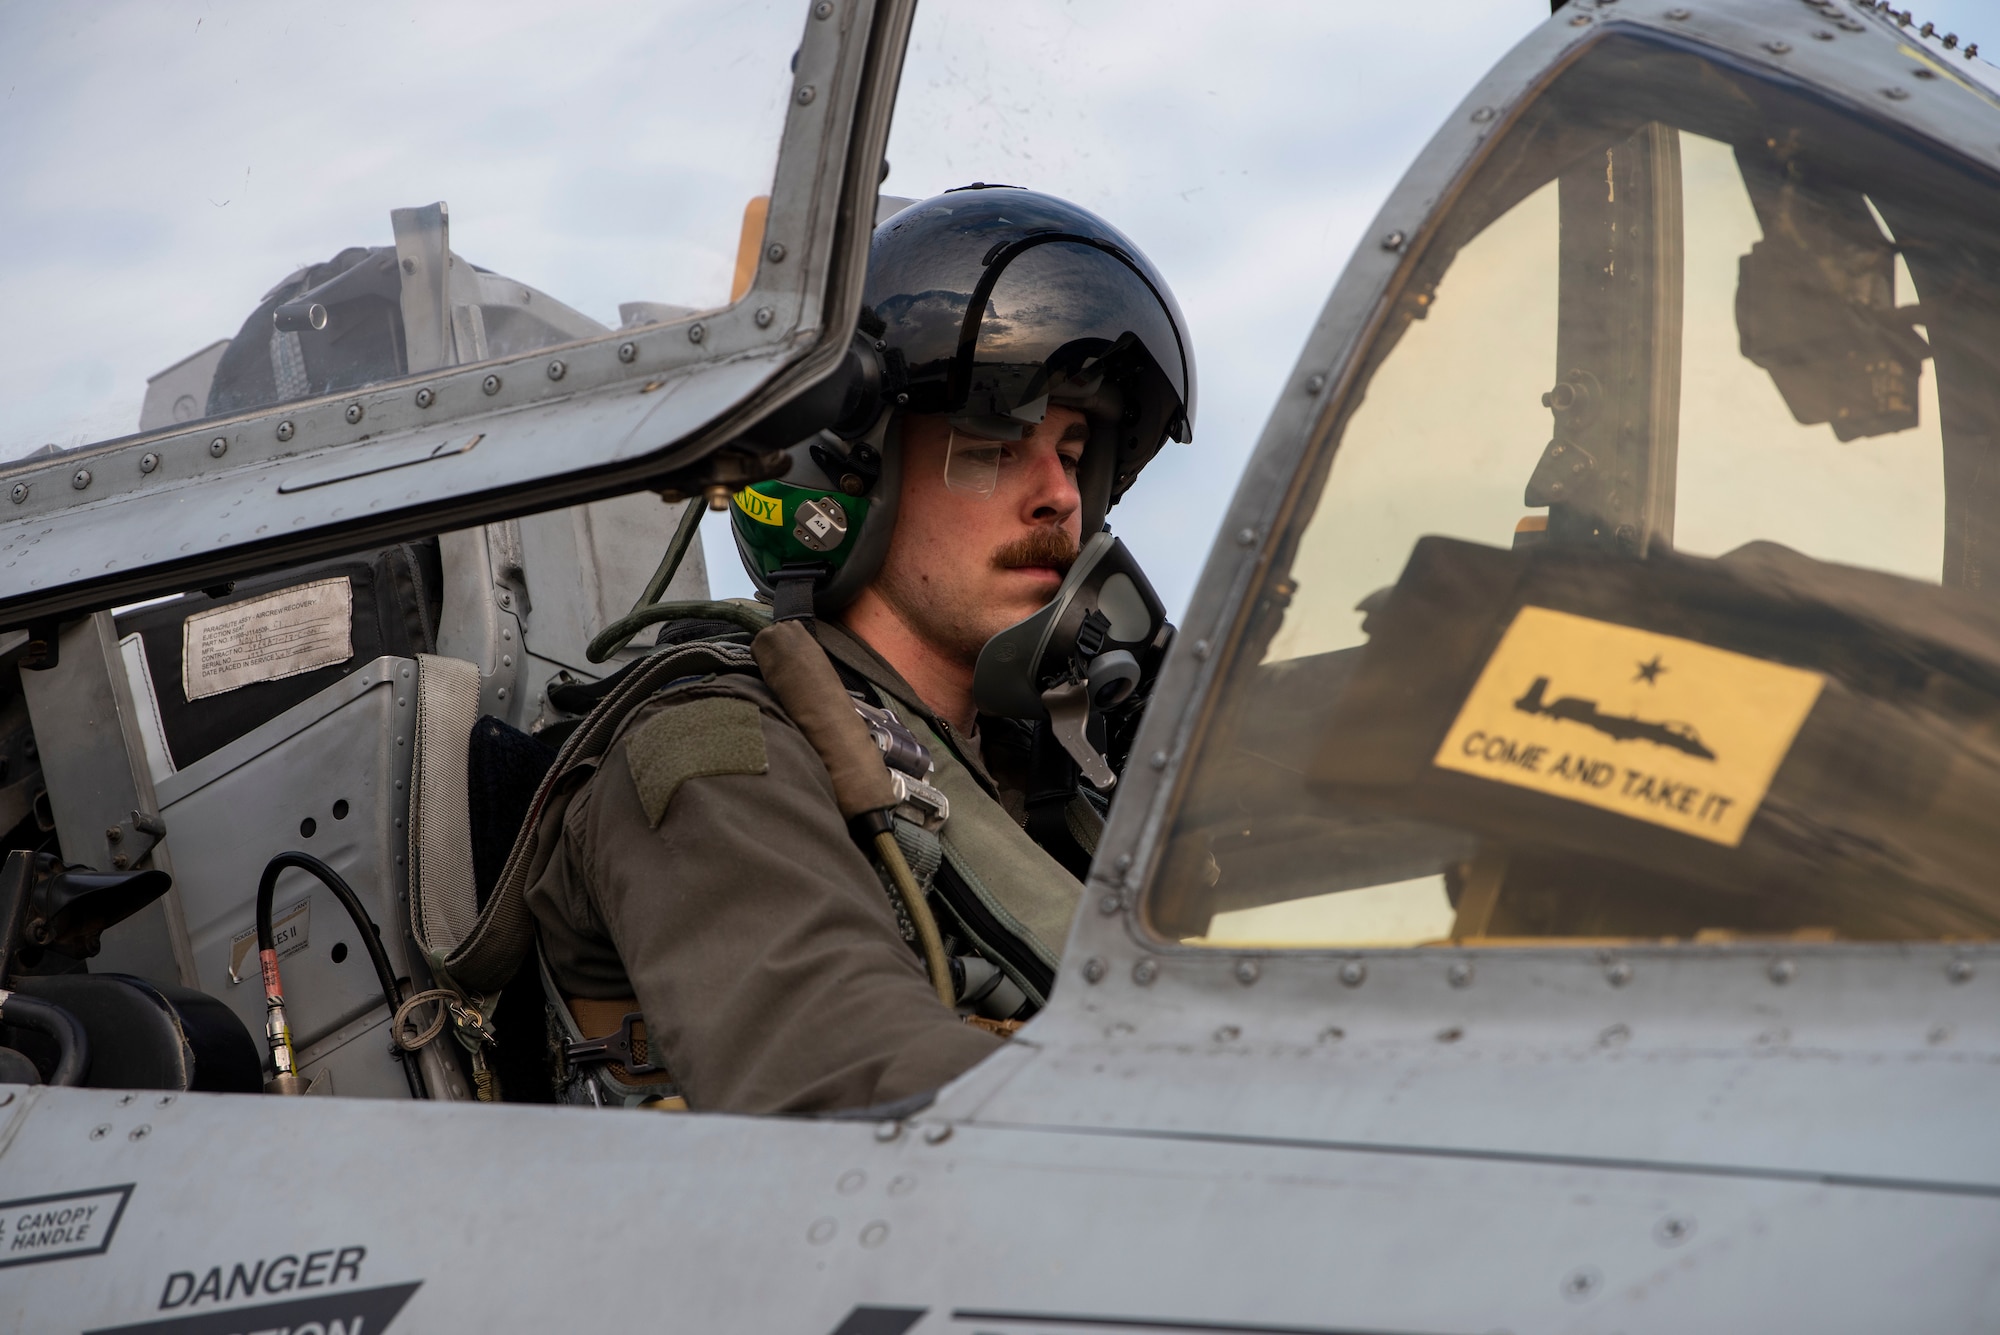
(713, 735)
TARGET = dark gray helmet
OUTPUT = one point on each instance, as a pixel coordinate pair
(986, 304)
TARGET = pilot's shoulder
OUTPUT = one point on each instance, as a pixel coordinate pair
(711, 725)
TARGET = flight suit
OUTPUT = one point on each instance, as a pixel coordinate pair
(703, 867)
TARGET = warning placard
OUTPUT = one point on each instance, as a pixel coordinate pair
(263, 639)
(1650, 726)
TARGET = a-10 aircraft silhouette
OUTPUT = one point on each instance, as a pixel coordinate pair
(1620, 727)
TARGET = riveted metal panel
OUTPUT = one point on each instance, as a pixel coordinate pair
(632, 407)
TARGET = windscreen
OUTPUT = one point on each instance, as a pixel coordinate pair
(215, 206)
(1644, 585)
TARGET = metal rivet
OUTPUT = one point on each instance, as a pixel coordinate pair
(1778, 48)
(1618, 973)
(1959, 971)
(1483, 115)
(1459, 974)
(1109, 905)
(1451, 1034)
(1581, 1283)
(148, 462)
(821, 1230)
(285, 432)
(353, 414)
(1896, 94)
(764, 317)
(1394, 241)
(775, 252)
(628, 352)
(139, 1133)
(491, 384)
(220, 445)
(1123, 862)
(1673, 1230)
(426, 397)
(1246, 537)
(697, 332)
(823, 10)
(80, 478)
(1229, 1033)
(937, 1135)
(1247, 971)
(1782, 971)
(851, 1182)
(1315, 383)
(1579, 21)
(1093, 970)
(1353, 973)
(1145, 971)
(124, 1099)
(409, 266)
(19, 493)
(806, 95)
(1680, 15)
(100, 1131)
(558, 369)
(1617, 1036)
(1201, 651)
(1158, 760)
(165, 1100)
(875, 1234)
(888, 1131)
(1822, 35)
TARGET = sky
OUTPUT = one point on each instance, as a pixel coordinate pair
(168, 161)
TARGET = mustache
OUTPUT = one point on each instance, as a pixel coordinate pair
(1052, 548)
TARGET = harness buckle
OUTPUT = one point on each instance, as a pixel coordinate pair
(615, 1047)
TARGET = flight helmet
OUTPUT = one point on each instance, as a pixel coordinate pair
(986, 304)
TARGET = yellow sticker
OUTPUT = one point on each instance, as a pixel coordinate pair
(764, 509)
(1649, 726)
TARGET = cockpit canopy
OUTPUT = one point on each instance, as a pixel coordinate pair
(1644, 582)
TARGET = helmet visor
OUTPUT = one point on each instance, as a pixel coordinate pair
(1062, 318)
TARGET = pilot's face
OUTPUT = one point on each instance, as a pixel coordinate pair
(985, 529)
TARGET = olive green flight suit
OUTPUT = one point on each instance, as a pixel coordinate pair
(704, 868)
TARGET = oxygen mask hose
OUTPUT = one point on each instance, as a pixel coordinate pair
(936, 963)
(283, 1060)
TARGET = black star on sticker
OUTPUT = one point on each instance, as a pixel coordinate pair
(1650, 672)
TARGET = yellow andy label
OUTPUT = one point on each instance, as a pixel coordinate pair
(764, 509)
(1649, 726)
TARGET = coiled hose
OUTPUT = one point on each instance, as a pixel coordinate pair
(276, 1030)
(57, 1023)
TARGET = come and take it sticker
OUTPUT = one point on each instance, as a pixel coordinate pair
(1649, 726)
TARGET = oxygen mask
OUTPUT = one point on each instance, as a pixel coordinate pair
(1082, 654)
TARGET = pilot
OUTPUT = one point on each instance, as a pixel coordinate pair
(704, 871)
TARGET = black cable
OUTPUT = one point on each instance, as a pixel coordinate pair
(385, 973)
(57, 1023)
